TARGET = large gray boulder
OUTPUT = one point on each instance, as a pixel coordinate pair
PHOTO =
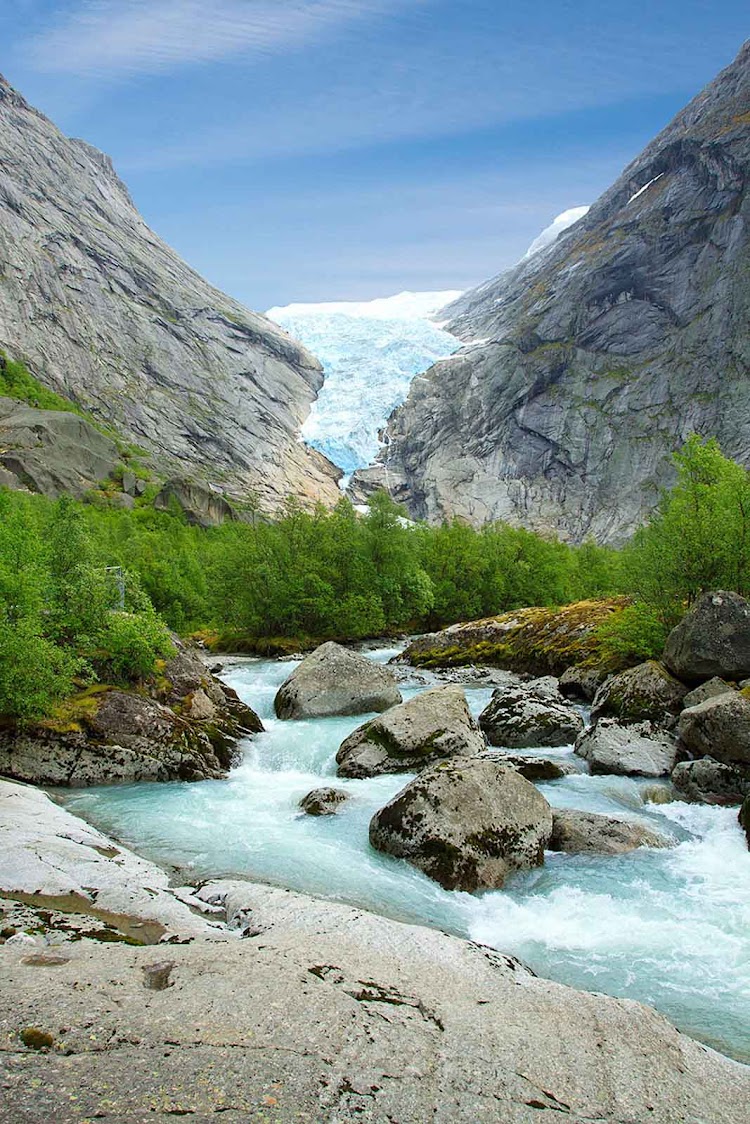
(467, 823)
(433, 725)
(712, 639)
(334, 680)
(586, 833)
(719, 728)
(520, 716)
(644, 693)
(711, 689)
(708, 781)
(639, 749)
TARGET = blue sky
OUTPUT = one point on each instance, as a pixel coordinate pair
(331, 149)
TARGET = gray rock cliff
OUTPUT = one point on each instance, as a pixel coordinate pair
(594, 359)
(106, 314)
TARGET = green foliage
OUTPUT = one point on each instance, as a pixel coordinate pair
(34, 672)
(634, 635)
(133, 642)
(16, 382)
(697, 539)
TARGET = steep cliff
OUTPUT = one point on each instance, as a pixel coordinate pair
(595, 358)
(105, 313)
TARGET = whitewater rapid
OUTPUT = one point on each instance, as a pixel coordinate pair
(668, 927)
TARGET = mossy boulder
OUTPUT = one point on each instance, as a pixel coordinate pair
(538, 641)
(644, 693)
(434, 725)
(711, 689)
(521, 717)
(466, 823)
(333, 680)
(713, 639)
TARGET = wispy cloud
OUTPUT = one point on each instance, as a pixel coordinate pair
(116, 38)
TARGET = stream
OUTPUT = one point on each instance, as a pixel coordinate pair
(667, 927)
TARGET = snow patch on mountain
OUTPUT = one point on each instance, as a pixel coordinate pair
(370, 351)
(551, 233)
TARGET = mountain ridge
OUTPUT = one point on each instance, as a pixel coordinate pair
(588, 363)
(105, 313)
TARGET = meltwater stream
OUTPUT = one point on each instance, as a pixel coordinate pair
(668, 927)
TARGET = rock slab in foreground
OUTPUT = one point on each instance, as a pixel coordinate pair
(634, 750)
(337, 1015)
(713, 639)
(587, 833)
(467, 823)
(334, 680)
(522, 717)
(430, 727)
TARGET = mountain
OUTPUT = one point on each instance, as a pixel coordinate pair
(596, 357)
(107, 315)
(370, 351)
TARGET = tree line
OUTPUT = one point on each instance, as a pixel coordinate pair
(89, 592)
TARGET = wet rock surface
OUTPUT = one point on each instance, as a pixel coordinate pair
(436, 724)
(591, 834)
(322, 801)
(530, 715)
(719, 728)
(334, 680)
(638, 749)
(467, 823)
(708, 781)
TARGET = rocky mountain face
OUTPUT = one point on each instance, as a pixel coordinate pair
(595, 358)
(106, 314)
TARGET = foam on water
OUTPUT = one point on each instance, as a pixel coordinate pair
(669, 927)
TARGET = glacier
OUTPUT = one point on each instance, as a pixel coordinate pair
(371, 351)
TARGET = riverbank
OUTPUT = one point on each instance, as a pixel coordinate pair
(322, 1013)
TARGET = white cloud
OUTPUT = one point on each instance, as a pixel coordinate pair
(121, 37)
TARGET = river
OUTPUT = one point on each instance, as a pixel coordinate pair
(668, 927)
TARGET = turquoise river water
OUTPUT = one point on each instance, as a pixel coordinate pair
(668, 927)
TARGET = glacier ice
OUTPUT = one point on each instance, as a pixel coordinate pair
(370, 351)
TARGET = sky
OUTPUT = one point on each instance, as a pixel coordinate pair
(309, 150)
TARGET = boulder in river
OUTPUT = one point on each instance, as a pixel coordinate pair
(744, 818)
(708, 781)
(535, 768)
(322, 801)
(712, 639)
(467, 823)
(335, 680)
(434, 725)
(639, 749)
(581, 683)
(644, 693)
(711, 689)
(719, 728)
(522, 716)
(584, 833)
